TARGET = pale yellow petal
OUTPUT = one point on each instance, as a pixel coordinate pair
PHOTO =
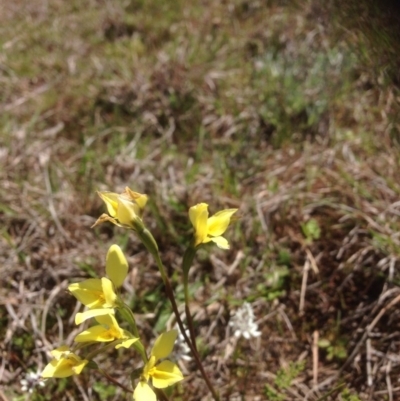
(127, 343)
(81, 317)
(64, 367)
(79, 366)
(116, 265)
(105, 217)
(164, 344)
(165, 374)
(217, 224)
(143, 392)
(128, 211)
(198, 215)
(196, 211)
(89, 292)
(49, 369)
(57, 353)
(140, 199)
(91, 284)
(220, 241)
(107, 320)
(55, 369)
(95, 333)
(111, 201)
(110, 297)
(108, 330)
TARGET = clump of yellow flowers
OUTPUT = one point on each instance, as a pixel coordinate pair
(114, 322)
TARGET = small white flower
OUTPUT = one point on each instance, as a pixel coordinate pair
(242, 322)
(30, 381)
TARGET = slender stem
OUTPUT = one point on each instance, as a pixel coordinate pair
(192, 347)
(78, 346)
(186, 264)
(149, 242)
(190, 324)
(98, 351)
(116, 382)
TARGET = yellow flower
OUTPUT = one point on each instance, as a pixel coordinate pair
(99, 294)
(95, 293)
(210, 228)
(64, 364)
(125, 210)
(108, 330)
(164, 374)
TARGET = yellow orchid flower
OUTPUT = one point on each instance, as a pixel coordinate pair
(164, 374)
(125, 210)
(210, 228)
(64, 364)
(108, 330)
(95, 293)
(99, 294)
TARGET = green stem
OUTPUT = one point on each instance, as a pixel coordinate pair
(170, 294)
(94, 353)
(186, 264)
(78, 346)
(116, 382)
(149, 242)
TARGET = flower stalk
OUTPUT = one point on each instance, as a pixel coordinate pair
(170, 294)
(187, 261)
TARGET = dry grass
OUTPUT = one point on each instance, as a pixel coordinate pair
(247, 104)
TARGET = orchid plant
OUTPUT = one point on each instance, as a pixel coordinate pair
(101, 297)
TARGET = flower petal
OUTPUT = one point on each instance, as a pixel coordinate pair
(164, 344)
(111, 201)
(56, 369)
(127, 343)
(221, 242)
(107, 320)
(95, 333)
(165, 374)
(108, 330)
(143, 392)
(116, 265)
(198, 215)
(140, 199)
(79, 366)
(217, 224)
(110, 296)
(81, 317)
(66, 366)
(105, 217)
(89, 292)
(128, 211)
(57, 353)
